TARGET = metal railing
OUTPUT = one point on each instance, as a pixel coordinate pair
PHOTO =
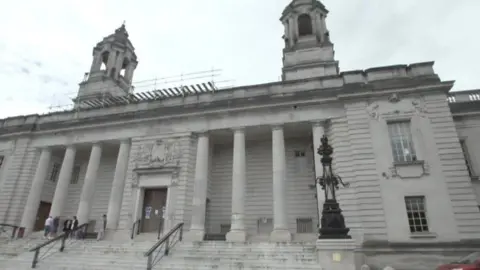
(62, 238)
(8, 230)
(163, 246)
(135, 228)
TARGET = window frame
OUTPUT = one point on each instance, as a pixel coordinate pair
(421, 210)
(396, 125)
(467, 157)
(56, 167)
(75, 178)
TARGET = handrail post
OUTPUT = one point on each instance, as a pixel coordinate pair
(14, 232)
(167, 248)
(35, 258)
(149, 262)
(180, 237)
(138, 226)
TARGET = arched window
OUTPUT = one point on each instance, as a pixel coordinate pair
(304, 25)
(104, 56)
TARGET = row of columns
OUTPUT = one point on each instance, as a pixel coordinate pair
(238, 232)
(88, 189)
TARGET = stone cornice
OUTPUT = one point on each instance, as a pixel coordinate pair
(415, 78)
(312, 97)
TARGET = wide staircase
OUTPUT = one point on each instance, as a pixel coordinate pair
(169, 252)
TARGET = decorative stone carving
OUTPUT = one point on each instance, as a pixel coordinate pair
(372, 110)
(419, 107)
(393, 98)
(134, 183)
(405, 170)
(158, 153)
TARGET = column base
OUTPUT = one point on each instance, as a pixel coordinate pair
(280, 235)
(194, 236)
(336, 254)
(236, 236)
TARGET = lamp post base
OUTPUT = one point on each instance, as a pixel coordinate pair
(333, 222)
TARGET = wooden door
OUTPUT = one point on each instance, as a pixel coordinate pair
(42, 215)
(152, 212)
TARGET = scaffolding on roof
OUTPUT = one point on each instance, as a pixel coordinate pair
(182, 85)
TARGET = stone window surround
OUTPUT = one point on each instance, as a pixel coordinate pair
(421, 235)
(417, 141)
(474, 176)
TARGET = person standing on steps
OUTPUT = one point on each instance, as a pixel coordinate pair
(56, 224)
(48, 227)
(67, 226)
(102, 227)
(74, 227)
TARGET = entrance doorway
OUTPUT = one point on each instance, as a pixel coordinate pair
(154, 202)
(42, 215)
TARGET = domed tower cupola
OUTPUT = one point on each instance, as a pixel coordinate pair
(308, 50)
(111, 73)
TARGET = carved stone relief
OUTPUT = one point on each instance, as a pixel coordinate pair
(393, 98)
(158, 153)
(372, 110)
(420, 108)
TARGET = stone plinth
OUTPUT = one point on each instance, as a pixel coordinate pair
(336, 254)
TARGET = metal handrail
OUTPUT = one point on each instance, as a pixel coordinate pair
(135, 228)
(62, 237)
(14, 229)
(166, 242)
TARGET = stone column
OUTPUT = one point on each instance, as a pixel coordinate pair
(197, 226)
(291, 31)
(280, 231)
(318, 23)
(318, 131)
(237, 231)
(118, 185)
(61, 190)
(88, 189)
(33, 200)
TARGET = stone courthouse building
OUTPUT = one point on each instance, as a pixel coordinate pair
(240, 163)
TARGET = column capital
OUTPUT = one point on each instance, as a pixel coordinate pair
(277, 126)
(238, 129)
(203, 133)
(126, 141)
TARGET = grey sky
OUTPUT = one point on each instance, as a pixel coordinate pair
(45, 46)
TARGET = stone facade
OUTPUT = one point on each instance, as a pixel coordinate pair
(241, 162)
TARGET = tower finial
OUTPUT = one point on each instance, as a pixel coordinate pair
(123, 23)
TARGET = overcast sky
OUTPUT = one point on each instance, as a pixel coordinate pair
(46, 46)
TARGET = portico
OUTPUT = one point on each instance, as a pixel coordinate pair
(78, 180)
(257, 181)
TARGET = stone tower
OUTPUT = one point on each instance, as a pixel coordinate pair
(114, 62)
(308, 50)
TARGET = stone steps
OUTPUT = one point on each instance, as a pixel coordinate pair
(106, 255)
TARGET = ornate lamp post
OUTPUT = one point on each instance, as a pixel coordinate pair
(332, 221)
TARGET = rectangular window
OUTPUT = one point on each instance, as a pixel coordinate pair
(304, 225)
(401, 142)
(224, 228)
(264, 225)
(467, 157)
(55, 172)
(75, 174)
(300, 161)
(417, 214)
